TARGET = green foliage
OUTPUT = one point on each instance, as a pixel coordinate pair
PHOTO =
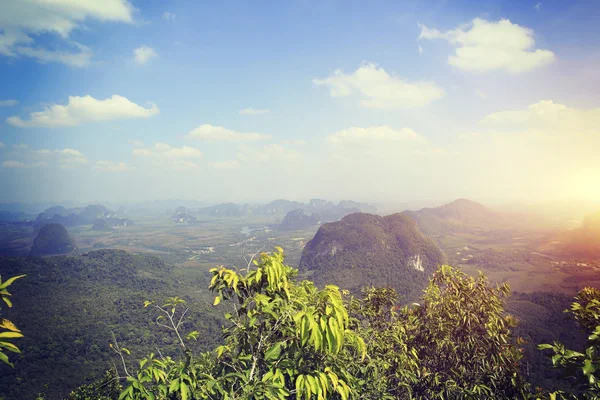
(289, 339)
(582, 367)
(70, 306)
(283, 340)
(52, 239)
(383, 251)
(108, 388)
(462, 337)
(8, 330)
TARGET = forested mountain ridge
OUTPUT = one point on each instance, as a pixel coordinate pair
(366, 249)
(68, 308)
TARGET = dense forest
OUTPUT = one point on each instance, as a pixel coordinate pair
(71, 308)
(285, 337)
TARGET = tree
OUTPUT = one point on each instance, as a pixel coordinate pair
(9, 330)
(582, 367)
(462, 339)
(289, 339)
(284, 340)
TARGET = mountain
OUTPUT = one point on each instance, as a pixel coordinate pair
(74, 216)
(52, 239)
(582, 242)
(8, 216)
(461, 215)
(297, 220)
(183, 218)
(365, 249)
(221, 210)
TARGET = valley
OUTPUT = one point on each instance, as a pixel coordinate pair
(359, 249)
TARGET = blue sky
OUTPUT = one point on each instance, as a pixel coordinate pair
(249, 101)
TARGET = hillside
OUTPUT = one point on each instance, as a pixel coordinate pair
(74, 216)
(68, 307)
(296, 220)
(366, 249)
(52, 239)
(461, 215)
(582, 242)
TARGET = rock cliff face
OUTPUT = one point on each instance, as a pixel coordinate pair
(296, 220)
(365, 249)
(52, 239)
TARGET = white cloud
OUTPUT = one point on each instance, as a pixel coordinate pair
(483, 46)
(8, 103)
(143, 54)
(375, 134)
(165, 152)
(21, 21)
(168, 16)
(79, 59)
(84, 109)
(538, 6)
(13, 164)
(420, 49)
(63, 158)
(66, 158)
(2, 145)
(223, 165)
(377, 89)
(549, 118)
(219, 134)
(112, 166)
(252, 111)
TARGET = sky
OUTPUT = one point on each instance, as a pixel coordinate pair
(249, 101)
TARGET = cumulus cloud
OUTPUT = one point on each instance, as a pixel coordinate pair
(483, 46)
(548, 117)
(219, 134)
(22, 21)
(8, 103)
(84, 109)
(63, 158)
(375, 134)
(143, 54)
(66, 158)
(252, 111)
(112, 166)
(377, 89)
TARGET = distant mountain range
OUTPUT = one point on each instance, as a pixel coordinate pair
(366, 249)
(328, 210)
(296, 220)
(74, 216)
(459, 216)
